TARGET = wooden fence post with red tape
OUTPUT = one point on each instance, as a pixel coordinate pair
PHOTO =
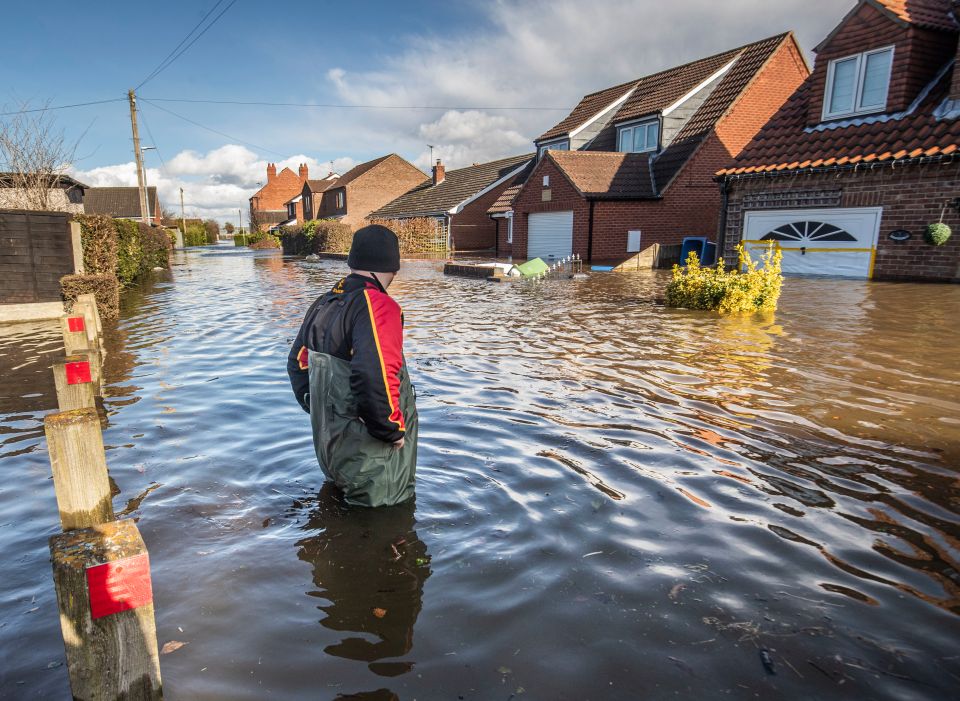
(79, 466)
(75, 339)
(102, 578)
(73, 377)
(86, 304)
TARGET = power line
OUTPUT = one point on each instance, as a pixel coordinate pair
(170, 59)
(163, 164)
(64, 107)
(341, 106)
(215, 131)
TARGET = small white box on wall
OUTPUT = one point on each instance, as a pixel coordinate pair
(633, 241)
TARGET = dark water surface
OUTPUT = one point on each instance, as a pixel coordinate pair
(614, 500)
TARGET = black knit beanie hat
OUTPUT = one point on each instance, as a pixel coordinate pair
(375, 248)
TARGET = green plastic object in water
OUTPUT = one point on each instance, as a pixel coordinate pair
(532, 267)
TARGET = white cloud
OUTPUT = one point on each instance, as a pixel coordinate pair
(216, 184)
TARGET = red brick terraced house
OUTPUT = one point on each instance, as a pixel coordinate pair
(631, 167)
(268, 205)
(363, 189)
(459, 200)
(848, 174)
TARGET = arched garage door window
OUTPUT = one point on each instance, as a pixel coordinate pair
(808, 231)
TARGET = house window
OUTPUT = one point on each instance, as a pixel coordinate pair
(308, 207)
(510, 229)
(638, 138)
(340, 200)
(858, 84)
(563, 145)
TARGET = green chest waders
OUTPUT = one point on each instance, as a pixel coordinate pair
(370, 472)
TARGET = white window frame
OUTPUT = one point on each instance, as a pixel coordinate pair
(630, 126)
(510, 228)
(861, 67)
(543, 148)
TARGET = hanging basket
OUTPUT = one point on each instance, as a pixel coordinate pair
(937, 234)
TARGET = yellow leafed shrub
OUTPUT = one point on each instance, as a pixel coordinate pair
(728, 291)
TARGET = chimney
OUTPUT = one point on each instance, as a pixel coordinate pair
(271, 172)
(304, 172)
(438, 173)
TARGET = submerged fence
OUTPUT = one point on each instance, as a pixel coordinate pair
(101, 568)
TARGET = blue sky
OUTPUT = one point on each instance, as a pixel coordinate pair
(463, 55)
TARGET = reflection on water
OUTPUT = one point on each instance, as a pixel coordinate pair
(370, 566)
(619, 500)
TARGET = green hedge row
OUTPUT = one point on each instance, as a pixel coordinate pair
(316, 236)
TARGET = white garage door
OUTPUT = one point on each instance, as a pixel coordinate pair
(550, 235)
(840, 242)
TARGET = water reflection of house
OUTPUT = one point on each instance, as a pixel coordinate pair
(848, 174)
(632, 165)
(459, 200)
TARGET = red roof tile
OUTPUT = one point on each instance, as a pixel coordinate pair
(935, 14)
(605, 174)
(786, 137)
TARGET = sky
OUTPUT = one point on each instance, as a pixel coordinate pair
(478, 80)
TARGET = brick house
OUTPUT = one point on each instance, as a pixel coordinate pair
(365, 188)
(268, 205)
(631, 167)
(306, 205)
(122, 203)
(848, 174)
(459, 200)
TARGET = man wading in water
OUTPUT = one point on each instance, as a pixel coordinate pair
(347, 370)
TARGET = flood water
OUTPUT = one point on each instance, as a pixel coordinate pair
(614, 500)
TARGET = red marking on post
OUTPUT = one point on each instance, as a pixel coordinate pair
(78, 373)
(120, 585)
(75, 323)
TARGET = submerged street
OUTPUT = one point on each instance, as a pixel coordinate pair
(615, 500)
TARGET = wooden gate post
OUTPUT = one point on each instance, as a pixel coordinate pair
(73, 377)
(75, 337)
(102, 578)
(79, 467)
(88, 305)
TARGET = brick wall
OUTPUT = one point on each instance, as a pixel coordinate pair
(911, 197)
(280, 188)
(36, 250)
(472, 229)
(691, 202)
(917, 56)
(504, 249)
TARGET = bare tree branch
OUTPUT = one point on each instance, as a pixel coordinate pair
(34, 153)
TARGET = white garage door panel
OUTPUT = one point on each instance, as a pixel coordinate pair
(838, 242)
(550, 234)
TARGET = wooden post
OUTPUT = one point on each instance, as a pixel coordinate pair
(73, 377)
(79, 468)
(88, 307)
(75, 337)
(102, 578)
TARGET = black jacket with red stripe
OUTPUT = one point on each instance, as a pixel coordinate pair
(359, 322)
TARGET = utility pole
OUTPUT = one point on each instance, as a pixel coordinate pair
(240, 214)
(183, 217)
(141, 181)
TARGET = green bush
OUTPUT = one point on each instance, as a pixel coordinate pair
(728, 291)
(195, 235)
(155, 244)
(105, 289)
(129, 250)
(98, 236)
(212, 227)
(937, 234)
(240, 239)
(316, 236)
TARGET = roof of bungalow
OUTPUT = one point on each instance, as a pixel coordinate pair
(117, 202)
(457, 188)
(9, 179)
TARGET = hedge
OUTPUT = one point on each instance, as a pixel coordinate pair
(417, 235)
(118, 250)
(728, 291)
(105, 288)
(195, 235)
(316, 236)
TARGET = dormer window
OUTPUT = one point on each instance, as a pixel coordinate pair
(639, 137)
(858, 84)
(559, 145)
